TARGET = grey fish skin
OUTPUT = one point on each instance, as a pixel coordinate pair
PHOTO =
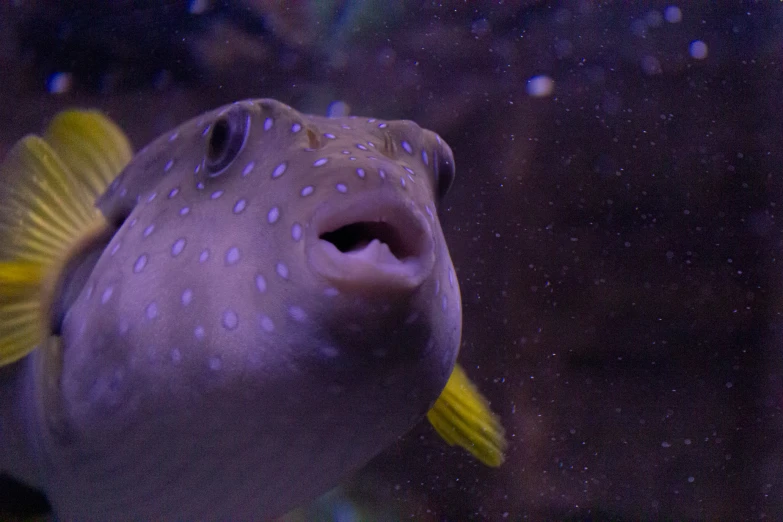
(261, 324)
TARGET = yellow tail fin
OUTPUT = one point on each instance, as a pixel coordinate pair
(462, 416)
(48, 188)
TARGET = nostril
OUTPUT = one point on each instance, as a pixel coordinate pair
(356, 236)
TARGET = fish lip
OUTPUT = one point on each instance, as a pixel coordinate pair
(369, 269)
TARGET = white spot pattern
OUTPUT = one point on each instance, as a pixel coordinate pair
(248, 168)
(230, 319)
(296, 231)
(282, 270)
(279, 170)
(141, 262)
(232, 256)
(178, 247)
(266, 323)
(297, 313)
(152, 310)
(261, 283)
(199, 332)
(187, 297)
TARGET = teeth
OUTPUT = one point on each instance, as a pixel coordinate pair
(375, 252)
(372, 267)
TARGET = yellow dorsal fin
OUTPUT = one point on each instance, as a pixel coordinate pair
(462, 416)
(48, 189)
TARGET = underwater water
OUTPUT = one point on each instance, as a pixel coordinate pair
(613, 224)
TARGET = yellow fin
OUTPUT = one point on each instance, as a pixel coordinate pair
(47, 196)
(92, 145)
(462, 416)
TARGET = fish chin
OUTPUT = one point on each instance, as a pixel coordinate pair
(374, 243)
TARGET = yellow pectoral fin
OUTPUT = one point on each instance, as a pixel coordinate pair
(91, 145)
(462, 417)
(48, 189)
(19, 309)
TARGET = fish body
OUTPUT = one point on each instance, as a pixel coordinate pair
(260, 302)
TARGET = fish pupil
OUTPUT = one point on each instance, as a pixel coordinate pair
(355, 236)
(226, 140)
(218, 141)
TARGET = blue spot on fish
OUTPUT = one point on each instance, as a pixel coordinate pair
(261, 283)
(141, 262)
(152, 310)
(187, 297)
(248, 168)
(178, 247)
(232, 256)
(230, 319)
(279, 170)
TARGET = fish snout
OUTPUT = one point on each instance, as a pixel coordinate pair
(375, 243)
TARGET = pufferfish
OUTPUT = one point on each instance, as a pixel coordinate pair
(229, 323)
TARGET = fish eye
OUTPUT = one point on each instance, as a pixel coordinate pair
(444, 173)
(226, 139)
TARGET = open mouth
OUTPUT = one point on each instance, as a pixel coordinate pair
(358, 238)
(373, 242)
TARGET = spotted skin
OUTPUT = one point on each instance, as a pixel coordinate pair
(252, 332)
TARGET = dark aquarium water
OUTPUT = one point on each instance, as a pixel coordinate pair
(613, 223)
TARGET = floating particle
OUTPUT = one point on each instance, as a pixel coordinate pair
(698, 50)
(59, 82)
(540, 86)
(672, 14)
